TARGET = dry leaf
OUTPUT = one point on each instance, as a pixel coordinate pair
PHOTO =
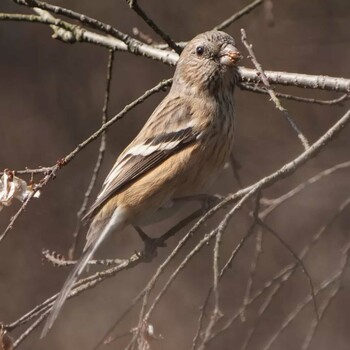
(147, 335)
(6, 342)
(13, 187)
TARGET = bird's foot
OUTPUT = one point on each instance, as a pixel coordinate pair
(149, 251)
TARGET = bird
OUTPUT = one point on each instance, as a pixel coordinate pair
(179, 151)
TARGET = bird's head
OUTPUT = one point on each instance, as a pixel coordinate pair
(208, 62)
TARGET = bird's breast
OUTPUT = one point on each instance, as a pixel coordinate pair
(211, 151)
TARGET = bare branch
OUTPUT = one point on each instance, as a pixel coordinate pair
(320, 82)
(275, 203)
(333, 294)
(99, 160)
(259, 90)
(222, 226)
(246, 193)
(322, 309)
(138, 48)
(287, 169)
(290, 269)
(272, 94)
(59, 260)
(30, 329)
(135, 6)
(75, 34)
(213, 319)
(40, 170)
(94, 279)
(298, 260)
(253, 266)
(299, 308)
(16, 216)
(271, 283)
(86, 20)
(64, 161)
(244, 11)
(73, 27)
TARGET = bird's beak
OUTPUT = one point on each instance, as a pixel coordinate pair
(229, 55)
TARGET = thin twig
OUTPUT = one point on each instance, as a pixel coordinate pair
(30, 329)
(165, 36)
(92, 280)
(64, 161)
(17, 215)
(36, 19)
(333, 294)
(79, 287)
(222, 226)
(235, 166)
(298, 260)
(271, 92)
(59, 260)
(299, 308)
(216, 314)
(252, 271)
(29, 171)
(159, 87)
(259, 90)
(136, 47)
(144, 316)
(287, 169)
(101, 152)
(275, 203)
(244, 11)
(322, 309)
(291, 268)
(224, 269)
(213, 319)
(271, 294)
(72, 33)
(279, 277)
(216, 257)
(82, 18)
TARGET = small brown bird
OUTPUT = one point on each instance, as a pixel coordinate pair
(181, 148)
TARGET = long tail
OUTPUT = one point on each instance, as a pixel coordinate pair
(116, 222)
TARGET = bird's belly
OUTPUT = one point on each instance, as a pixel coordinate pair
(205, 165)
(164, 212)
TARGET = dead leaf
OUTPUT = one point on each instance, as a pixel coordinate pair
(6, 342)
(11, 187)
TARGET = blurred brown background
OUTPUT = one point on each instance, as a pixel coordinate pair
(51, 96)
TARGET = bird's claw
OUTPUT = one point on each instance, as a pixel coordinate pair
(149, 251)
(210, 201)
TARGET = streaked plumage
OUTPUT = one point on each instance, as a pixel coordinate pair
(180, 149)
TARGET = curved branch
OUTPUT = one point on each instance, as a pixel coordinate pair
(79, 34)
(244, 11)
(165, 36)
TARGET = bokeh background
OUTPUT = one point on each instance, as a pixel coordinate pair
(51, 97)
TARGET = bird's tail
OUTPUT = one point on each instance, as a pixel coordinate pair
(116, 222)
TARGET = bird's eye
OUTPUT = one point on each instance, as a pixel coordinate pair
(200, 50)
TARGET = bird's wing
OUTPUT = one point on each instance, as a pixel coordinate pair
(145, 153)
